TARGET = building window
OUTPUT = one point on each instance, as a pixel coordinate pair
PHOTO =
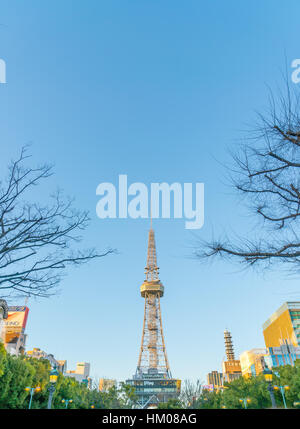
(280, 360)
(274, 361)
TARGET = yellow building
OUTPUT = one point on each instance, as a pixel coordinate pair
(81, 373)
(253, 362)
(105, 384)
(37, 353)
(283, 326)
(231, 370)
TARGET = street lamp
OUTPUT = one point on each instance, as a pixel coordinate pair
(32, 390)
(245, 401)
(67, 402)
(268, 377)
(53, 380)
(282, 389)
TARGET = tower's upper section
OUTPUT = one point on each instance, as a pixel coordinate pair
(228, 345)
(151, 269)
(152, 283)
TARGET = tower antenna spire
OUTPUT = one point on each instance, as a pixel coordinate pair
(151, 269)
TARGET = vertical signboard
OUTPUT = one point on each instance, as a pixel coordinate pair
(15, 324)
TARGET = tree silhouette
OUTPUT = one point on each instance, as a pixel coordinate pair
(36, 241)
(266, 173)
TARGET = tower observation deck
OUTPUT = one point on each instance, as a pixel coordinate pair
(153, 380)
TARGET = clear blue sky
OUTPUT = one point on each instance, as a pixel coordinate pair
(157, 90)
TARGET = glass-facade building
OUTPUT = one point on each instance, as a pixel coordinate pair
(286, 354)
(283, 327)
(282, 335)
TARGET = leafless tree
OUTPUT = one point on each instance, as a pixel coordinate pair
(36, 241)
(95, 382)
(266, 172)
(190, 393)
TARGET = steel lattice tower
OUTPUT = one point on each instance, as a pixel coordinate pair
(153, 382)
(153, 355)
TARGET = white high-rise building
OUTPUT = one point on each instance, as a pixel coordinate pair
(81, 373)
(83, 368)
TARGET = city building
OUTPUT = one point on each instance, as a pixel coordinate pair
(37, 353)
(153, 380)
(253, 362)
(81, 373)
(231, 367)
(283, 326)
(106, 383)
(83, 368)
(62, 365)
(215, 379)
(208, 387)
(286, 354)
(3, 317)
(13, 332)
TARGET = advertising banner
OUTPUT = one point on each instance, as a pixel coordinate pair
(15, 323)
(209, 387)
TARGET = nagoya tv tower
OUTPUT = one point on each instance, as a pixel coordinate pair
(153, 381)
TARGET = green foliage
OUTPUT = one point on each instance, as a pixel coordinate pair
(288, 376)
(254, 389)
(17, 373)
(172, 403)
(2, 358)
(82, 397)
(119, 397)
(40, 378)
(127, 396)
(208, 400)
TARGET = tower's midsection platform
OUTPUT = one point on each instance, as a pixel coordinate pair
(154, 388)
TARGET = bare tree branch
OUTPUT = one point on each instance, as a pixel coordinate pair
(267, 172)
(36, 241)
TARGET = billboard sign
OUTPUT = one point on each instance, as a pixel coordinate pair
(15, 324)
(209, 387)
